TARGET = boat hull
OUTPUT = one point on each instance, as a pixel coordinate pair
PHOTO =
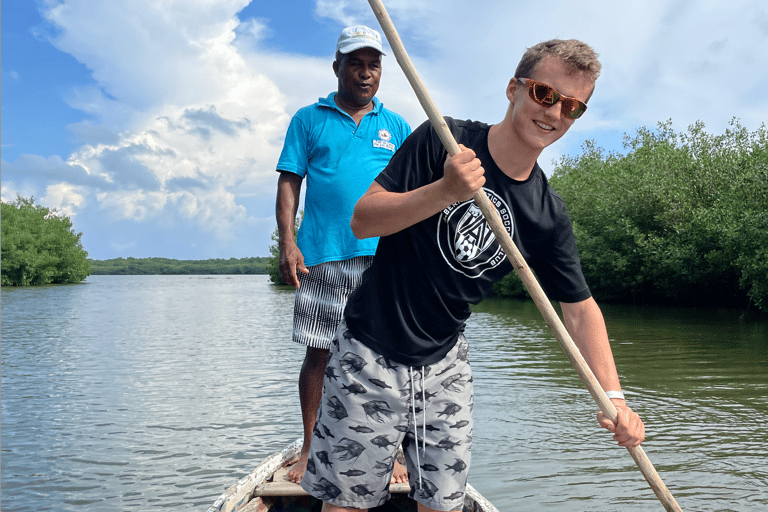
(241, 496)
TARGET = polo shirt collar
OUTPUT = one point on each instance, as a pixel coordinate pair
(329, 102)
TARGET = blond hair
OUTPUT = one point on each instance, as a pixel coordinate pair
(578, 56)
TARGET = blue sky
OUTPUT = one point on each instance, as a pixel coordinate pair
(156, 126)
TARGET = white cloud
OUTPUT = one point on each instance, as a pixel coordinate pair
(136, 205)
(216, 210)
(144, 53)
(65, 198)
(176, 105)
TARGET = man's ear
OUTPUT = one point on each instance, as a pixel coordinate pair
(511, 88)
(336, 68)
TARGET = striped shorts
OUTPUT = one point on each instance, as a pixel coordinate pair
(320, 300)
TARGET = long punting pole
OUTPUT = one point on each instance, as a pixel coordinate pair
(519, 264)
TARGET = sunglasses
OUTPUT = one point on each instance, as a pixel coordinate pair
(547, 96)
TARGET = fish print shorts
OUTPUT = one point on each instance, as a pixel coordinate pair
(320, 300)
(371, 406)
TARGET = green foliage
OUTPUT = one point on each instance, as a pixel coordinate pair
(680, 219)
(273, 265)
(165, 266)
(39, 247)
(510, 286)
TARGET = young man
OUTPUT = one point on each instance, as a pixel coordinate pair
(340, 144)
(398, 371)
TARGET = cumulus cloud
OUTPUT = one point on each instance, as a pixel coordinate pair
(175, 104)
(65, 198)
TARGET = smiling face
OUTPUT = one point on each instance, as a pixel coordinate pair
(535, 125)
(359, 73)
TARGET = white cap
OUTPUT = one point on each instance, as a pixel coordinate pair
(354, 38)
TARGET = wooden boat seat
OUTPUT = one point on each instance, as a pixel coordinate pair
(280, 486)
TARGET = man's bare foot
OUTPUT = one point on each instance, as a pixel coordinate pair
(400, 474)
(296, 473)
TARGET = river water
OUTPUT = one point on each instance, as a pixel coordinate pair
(159, 392)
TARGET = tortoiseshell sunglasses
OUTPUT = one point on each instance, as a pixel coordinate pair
(547, 96)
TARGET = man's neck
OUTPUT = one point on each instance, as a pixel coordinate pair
(515, 159)
(355, 111)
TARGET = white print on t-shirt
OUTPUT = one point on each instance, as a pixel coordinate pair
(465, 239)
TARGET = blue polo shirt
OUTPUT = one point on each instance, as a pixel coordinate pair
(339, 161)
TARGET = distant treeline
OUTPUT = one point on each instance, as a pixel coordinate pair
(165, 266)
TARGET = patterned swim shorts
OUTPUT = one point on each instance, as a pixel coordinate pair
(320, 300)
(370, 407)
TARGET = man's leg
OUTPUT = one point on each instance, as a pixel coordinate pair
(310, 394)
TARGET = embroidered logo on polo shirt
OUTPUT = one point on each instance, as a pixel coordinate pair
(384, 140)
(465, 239)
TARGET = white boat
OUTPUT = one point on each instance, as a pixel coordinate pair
(266, 489)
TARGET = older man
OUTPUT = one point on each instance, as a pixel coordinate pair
(340, 144)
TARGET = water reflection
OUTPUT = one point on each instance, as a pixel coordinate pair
(139, 392)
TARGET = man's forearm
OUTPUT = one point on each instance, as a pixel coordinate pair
(286, 206)
(586, 326)
(380, 212)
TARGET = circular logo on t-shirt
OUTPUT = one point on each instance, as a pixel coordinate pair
(384, 134)
(465, 239)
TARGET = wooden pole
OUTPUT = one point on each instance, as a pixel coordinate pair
(518, 262)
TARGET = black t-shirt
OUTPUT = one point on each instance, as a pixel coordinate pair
(414, 299)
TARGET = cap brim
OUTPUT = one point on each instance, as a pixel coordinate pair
(349, 48)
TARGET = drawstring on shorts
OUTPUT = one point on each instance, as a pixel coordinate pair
(424, 419)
